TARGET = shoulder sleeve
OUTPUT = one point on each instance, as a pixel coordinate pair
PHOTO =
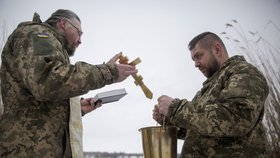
(232, 110)
(47, 72)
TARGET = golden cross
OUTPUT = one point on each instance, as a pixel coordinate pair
(138, 79)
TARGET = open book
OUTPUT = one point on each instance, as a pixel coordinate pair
(110, 96)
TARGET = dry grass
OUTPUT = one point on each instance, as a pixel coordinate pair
(259, 49)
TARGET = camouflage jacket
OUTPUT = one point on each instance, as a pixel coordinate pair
(224, 119)
(37, 80)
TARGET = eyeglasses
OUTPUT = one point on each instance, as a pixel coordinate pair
(79, 31)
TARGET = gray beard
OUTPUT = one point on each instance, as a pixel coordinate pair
(70, 51)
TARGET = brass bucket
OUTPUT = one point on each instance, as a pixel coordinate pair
(159, 142)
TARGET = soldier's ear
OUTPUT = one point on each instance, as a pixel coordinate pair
(218, 49)
(62, 24)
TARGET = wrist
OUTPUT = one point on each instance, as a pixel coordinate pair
(173, 107)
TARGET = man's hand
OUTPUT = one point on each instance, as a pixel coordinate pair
(89, 104)
(124, 70)
(164, 102)
(160, 118)
(157, 116)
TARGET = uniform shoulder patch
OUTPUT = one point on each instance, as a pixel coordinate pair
(42, 44)
(42, 35)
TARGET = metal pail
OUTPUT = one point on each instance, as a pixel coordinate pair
(159, 142)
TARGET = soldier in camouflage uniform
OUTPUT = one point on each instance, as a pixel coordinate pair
(38, 80)
(224, 119)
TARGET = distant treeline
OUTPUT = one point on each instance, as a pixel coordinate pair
(112, 155)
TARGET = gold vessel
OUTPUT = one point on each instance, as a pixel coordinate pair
(159, 142)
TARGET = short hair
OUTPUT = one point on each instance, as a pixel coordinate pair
(60, 14)
(206, 40)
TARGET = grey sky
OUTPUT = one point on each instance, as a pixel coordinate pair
(158, 32)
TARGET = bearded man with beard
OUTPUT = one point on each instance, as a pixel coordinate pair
(41, 88)
(224, 119)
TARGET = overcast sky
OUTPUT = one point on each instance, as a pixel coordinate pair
(158, 32)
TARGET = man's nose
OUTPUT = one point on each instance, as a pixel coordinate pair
(79, 41)
(196, 63)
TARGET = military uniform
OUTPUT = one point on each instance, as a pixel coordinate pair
(37, 81)
(224, 119)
